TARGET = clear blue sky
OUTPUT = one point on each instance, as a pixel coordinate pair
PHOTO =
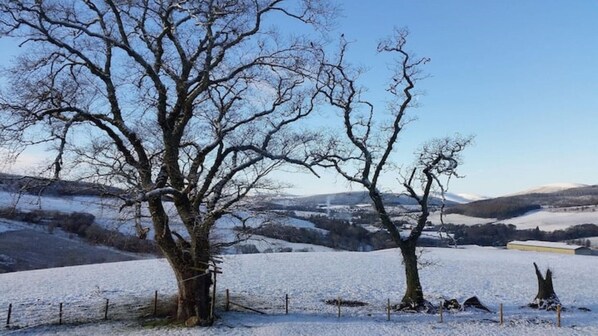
(522, 76)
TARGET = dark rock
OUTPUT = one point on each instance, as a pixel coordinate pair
(474, 302)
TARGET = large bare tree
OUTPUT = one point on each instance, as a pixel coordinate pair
(182, 100)
(367, 151)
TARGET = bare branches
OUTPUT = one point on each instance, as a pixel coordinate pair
(365, 154)
(193, 101)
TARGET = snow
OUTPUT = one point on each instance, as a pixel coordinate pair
(462, 197)
(105, 210)
(108, 214)
(265, 243)
(459, 219)
(547, 219)
(551, 220)
(549, 188)
(8, 225)
(262, 280)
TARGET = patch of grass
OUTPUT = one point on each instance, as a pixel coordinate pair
(346, 303)
(161, 322)
(165, 309)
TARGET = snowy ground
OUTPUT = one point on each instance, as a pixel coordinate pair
(550, 220)
(459, 219)
(261, 281)
(546, 219)
(108, 214)
(105, 210)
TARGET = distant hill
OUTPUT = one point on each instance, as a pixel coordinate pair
(50, 187)
(463, 198)
(518, 204)
(357, 197)
(550, 188)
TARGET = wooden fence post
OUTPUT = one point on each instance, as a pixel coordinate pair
(286, 304)
(106, 309)
(558, 316)
(155, 303)
(60, 314)
(227, 305)
(338, 303)
(501, 315)
(213, 303)
(8, 316)
(388, 310)
(441, 317)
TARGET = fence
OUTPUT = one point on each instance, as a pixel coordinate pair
(341, 307)
(31, 313)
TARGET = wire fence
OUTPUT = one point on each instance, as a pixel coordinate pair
(35, 312)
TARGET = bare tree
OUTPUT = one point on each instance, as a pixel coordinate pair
(367, 153)
(188, 101)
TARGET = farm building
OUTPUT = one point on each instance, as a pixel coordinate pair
(544, 246)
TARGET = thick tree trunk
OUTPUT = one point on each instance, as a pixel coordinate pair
(414, 296)
(546, 298)
(194, 296)
(190, 263)
(194, 281)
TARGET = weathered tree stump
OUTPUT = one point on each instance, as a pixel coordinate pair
(546, 299)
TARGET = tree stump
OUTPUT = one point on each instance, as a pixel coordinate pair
(546, 299)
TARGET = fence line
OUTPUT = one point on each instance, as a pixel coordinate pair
(40, 313)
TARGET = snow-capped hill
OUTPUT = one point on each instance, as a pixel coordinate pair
(463, 197)
(550, 188)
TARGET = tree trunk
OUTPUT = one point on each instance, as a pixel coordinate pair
(194, 296)
(190, 262)
(546, 298)
(414, 296)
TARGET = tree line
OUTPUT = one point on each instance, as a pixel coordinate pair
(500, 234)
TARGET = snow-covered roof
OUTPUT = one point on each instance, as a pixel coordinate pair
(545, 244)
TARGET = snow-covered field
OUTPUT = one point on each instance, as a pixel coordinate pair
(546, 219)
(108, 214)
(261, 281)
(459, 219)
(105, 210)
(550, 220)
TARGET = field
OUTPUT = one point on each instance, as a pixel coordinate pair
(261, 281)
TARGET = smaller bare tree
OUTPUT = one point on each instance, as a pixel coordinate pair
(365, 153)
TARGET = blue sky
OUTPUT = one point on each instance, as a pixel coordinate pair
(522, 76)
